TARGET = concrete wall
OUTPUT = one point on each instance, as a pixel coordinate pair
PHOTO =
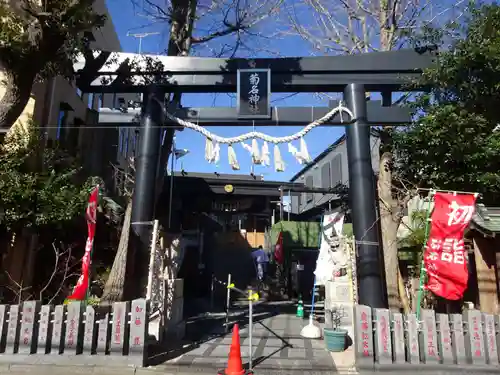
(327, 172)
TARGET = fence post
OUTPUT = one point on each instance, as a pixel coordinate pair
(44, 329)
(29, 327)
(13, 328)
(73, 328)
(228, 300)
(152, 258)
(212, 291)
(120, 319)
(138, 333)
(250, 328)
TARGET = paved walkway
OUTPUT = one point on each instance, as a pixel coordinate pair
(101, 370)
(277, 346)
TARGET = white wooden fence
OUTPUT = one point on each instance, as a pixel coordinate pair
(35, 330)
(386, 338)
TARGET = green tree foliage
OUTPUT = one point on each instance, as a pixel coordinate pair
(40, 186)
(453, 144)
(39, 40)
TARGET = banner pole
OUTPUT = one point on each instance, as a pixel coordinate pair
(422, 267)
(91, 218)
(87, 293)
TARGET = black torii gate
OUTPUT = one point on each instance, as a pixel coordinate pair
(354, 76)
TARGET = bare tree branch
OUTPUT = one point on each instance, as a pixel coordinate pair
(19, 292)
(356, 26)
(215, 20)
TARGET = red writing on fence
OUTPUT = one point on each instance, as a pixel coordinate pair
(71, 332)
(26, 336)
(446, 338)
(89, 324)
(384, 331)
(27, 316)
(43, 324)
(476, 337)
(137, 319)
(118, 327)
(412, 327)
(365, 334)
(397, 328)
(431, 345)
(490, 331)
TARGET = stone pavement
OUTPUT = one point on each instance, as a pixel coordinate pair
(104, 370)
(277, 347)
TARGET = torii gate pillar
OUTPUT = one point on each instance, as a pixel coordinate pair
(362, 198)
(144, 197)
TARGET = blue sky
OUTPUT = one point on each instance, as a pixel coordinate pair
(127, 20)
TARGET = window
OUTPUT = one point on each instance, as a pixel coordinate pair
(90, 103)
(99, 102)
(336, 170)
(326, 180)
(61, 123)
(73, 135)
(122, 140)
(309, 184)
(79, 93)
(127, 136)
(135, 140)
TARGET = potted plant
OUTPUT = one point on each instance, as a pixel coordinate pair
(335, 337)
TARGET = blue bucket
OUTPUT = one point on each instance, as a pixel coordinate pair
(335, 339)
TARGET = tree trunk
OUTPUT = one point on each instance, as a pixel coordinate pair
(405, 302)
(389, 222)
(17, 95)
(114, 287)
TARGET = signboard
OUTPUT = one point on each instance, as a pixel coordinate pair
(254, 94)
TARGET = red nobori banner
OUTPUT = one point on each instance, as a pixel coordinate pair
(80, 290)
(445, 258)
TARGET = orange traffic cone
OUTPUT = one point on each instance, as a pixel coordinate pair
(234, 364)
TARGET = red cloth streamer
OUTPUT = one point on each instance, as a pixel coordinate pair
(80, 290)
(278, 250)
(445, 259)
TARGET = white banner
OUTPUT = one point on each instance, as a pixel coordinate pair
(330, 260)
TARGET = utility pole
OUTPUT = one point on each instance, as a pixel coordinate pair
(141, 36)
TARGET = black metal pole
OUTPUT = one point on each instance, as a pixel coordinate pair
(171, 193)
(144, 197)
(362, 201)
(281, 204)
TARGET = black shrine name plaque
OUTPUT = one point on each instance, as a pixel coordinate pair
(254, 94)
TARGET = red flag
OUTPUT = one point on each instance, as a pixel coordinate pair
(80, 290)
(278, 250)
(444, 257)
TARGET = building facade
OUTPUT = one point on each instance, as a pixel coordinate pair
(70, 117)
(57, 105)
(65, 115)
(327, 170)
